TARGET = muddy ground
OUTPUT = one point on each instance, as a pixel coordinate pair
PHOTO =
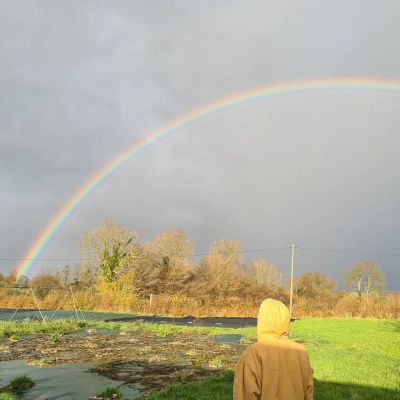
(139, 359)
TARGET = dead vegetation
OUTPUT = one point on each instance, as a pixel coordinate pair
(139, 359)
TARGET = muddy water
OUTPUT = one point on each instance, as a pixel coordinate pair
(66, 382)
(82, 364)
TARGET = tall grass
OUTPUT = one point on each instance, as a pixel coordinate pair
(341, 304)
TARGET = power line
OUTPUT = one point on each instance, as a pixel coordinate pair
(91, 259)
(348, 251)
(242, 251)
(233, 252)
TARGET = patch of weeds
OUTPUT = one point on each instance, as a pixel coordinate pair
(110, 393)
(163, 333)
(42, 362)
(216, 362)
(54, 338)
(177, 375)
(20, 382)
(7, 396)
(15, 338)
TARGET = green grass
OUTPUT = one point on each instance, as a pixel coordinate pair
(54, 338)
(215, 388)
(110, 393)
(359, 352)
(42, 362)
(14, 329)
(7, 396)
(164, 330)
(20, 382)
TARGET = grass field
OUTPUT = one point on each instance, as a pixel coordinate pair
(351, 358)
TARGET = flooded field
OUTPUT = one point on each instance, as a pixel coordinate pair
(82, 364)
(62, 382)
(6, 314)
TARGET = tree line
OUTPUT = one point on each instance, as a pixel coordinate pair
(120, 272)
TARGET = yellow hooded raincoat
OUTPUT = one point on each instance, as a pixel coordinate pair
(274, 368)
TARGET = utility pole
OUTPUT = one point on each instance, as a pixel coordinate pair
(291, 283)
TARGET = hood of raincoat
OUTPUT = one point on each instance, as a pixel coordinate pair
(273, 320)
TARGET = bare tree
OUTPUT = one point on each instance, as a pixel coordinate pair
(313, 285)
(172, 243)
(261, 271)
(172, 269)
(44, 284)
(12, 278)
(108, 247)
(221, 272)
(365, 277)
(229, 250)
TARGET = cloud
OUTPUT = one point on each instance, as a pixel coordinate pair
(80, 82)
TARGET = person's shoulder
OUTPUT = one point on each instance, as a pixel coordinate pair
(281, 342)
(253, 349)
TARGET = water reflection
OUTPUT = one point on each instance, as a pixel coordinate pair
(66, 381)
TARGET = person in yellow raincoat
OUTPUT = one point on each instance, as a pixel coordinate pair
(275, 367)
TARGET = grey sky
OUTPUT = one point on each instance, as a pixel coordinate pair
(82, 80)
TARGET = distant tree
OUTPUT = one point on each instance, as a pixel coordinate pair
(44, 284)
(313, 285)
(261, 271)
(86, 276)
(2, 280)
(221, 272)
(108, 247)
(229, 250)
(172, 243)
(365, 277)
(171, 270)
(65, 277)
(11, 278)
(141, 276)
(173, 277)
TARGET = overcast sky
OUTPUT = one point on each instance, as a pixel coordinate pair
(80, 81)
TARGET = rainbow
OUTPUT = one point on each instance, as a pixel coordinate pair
(292, 88)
